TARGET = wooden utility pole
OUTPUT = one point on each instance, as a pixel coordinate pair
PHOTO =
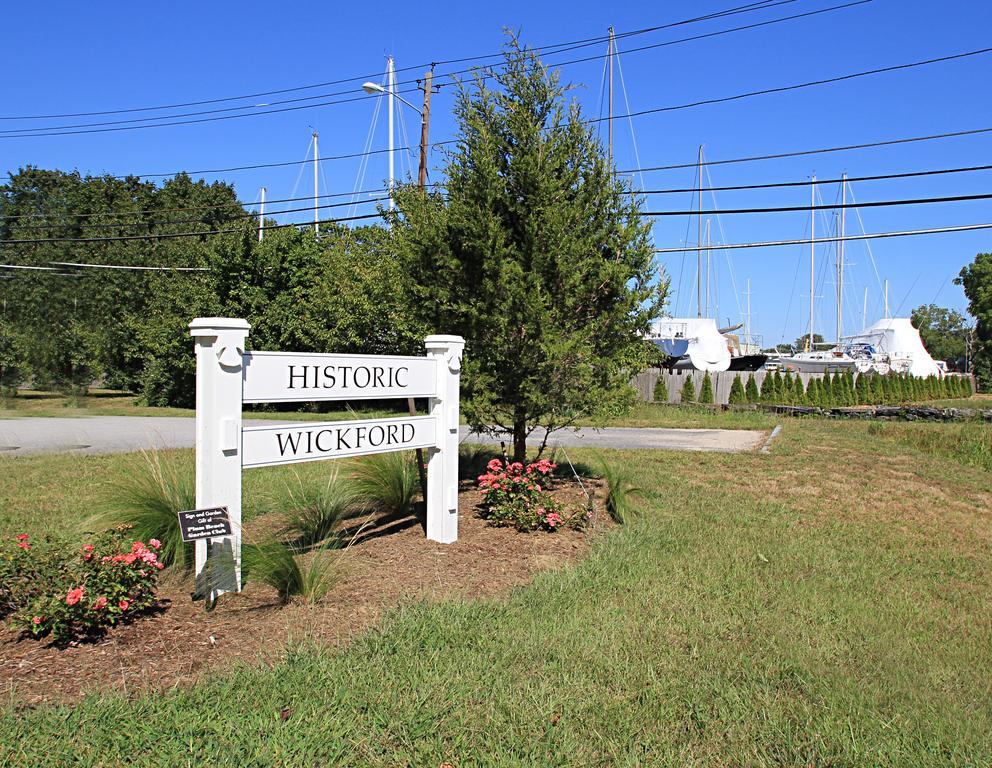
(425, 123)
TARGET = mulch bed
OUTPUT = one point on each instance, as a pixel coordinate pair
(392, 563)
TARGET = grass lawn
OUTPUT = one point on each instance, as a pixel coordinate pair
(823, 604)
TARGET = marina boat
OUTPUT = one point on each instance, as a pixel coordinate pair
(693, 343)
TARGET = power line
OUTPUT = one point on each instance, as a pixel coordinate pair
(808, 182)
(798, 86)
(824, 207)
(237, 217)
(846, 238)
(571, 45)
(807, 152)
(197, 207)
(171, 235)
(47, 131)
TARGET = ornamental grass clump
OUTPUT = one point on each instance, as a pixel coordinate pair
(314, 511)
(277, 565)
(110, 580)
(147, 499)
(518, 496)
(387, 481)
(620, 481)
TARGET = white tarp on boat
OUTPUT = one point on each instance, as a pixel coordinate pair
(707, 350)
(897, 338)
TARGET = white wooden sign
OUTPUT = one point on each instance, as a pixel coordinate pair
(279, 377)
(227, 377)
(289, 443)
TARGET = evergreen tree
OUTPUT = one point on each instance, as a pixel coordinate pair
(535, 252)
(688, 393)
(777, 387)
(877, 389)
(706, 391)
(751, 390)
(737, 394)
(827, 390)
(813, 392)
(787, 397)
(768, 388)
(798, 391)
(660, 394)
(862, 393)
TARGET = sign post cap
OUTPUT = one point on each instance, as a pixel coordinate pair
(202, 326)
(443, 341)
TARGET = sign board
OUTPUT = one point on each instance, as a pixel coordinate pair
(196, 524)
(279, 377)
(289, 443)
(227, 377)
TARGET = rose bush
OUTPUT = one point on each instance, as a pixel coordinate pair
(108, 581)
(520, 496)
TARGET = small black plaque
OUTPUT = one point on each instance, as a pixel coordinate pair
(197, 524)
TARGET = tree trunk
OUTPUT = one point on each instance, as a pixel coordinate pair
(520, 435)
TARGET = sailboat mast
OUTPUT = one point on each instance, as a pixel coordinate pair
(699, 238)
(840, 259)
(316, 161)
(709, 266)
(609, 122)
(864, 311)
(812, 251)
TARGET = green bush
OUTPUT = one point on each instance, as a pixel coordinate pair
(706, 390)
(660, 393)
(688, 393)
(753, 396)
(737, 394)
(109, 581)
(520, 497)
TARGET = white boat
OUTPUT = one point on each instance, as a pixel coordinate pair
(695, 342)
(899, 343)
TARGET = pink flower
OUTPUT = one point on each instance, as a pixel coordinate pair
(160, 566)
(494, 465)
(22, 537)
(123, 604)
(137, 547)
(74, 596)
(155, 543)
(87, 547)
(24, 545)
(100, 604)
(149, 557)
(36, 620)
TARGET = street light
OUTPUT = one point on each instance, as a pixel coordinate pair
(425, 116)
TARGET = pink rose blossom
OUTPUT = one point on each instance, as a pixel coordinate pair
(155, 543)
(74, 596)
(123, 604)
(36, 620)
(100, 604)
(22, 537)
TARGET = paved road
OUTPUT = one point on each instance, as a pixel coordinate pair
(119, 434)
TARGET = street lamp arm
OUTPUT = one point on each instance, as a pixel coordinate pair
(376, 88)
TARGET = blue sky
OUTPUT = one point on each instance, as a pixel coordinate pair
(73, 57)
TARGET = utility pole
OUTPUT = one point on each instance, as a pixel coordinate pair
(812, 253)
(316, 159)
(390, 88)
(699, 237)
(840, 259)
(609, 124)
(261, 214)
(425, 123)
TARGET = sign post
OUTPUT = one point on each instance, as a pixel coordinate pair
(220, 347)
(442, 460)
(227, 377)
